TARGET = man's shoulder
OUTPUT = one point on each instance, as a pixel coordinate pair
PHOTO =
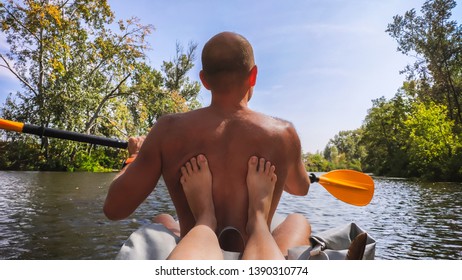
(281, 121)
(273, 121)
(170, 119)
(254, 119)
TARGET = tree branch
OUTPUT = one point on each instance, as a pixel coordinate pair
(118, 86)
(7, 66)
(110, 95)
(20, 23)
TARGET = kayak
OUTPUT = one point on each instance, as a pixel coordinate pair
(155, 242)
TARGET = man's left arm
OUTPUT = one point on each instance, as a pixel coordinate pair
(298, 181)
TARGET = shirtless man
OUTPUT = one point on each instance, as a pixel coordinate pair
(228, 134)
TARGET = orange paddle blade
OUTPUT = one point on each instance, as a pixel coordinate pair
(349, 186)
(11, 126)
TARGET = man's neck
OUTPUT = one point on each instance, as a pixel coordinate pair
(228, 102)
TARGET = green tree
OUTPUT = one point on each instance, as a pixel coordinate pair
(316, 163)
(67, 58)
(431, 141)
(155, 93)
(434, 86)
(175, 72)
(436, 42)
(418, 131)
(70, 64)
(345, 149)
(79, 70)
(385, 136)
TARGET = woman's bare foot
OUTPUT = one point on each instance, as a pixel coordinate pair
(261, 181)
(196, 179)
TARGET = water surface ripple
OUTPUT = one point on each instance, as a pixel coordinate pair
(53, 215)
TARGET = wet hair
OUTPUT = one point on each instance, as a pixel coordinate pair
(227, 53)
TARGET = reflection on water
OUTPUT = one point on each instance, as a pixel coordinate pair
(409, 220)
(45, 215)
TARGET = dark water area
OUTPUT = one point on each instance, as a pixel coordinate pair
(53, 215)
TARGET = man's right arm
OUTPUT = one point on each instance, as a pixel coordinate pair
(137, 180)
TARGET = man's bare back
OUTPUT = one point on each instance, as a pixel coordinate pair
(228, 142)
(228, 133)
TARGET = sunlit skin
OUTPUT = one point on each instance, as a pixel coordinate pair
(201, 242)
(227, 133)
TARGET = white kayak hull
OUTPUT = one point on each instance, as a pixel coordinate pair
(155, 242)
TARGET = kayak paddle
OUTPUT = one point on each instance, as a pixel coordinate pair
(62, 134)
(349, 186)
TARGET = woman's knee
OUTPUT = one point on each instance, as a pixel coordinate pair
(299, 220)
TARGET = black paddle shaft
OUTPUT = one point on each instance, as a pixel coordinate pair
(74, 136)
(313, 178)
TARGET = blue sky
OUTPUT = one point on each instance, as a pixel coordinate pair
(321, 62)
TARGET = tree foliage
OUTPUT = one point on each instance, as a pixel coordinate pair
(385, 136)
(433, 122)
(411, 139)
(82, 70)
(345, 150)
(316, 163)
(431, 143)
(436, 42)
(418, 132)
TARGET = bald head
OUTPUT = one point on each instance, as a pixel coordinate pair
(227, 53)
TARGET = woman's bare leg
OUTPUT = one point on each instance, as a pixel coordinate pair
(292, 232)
(261, 180)
(201, 241)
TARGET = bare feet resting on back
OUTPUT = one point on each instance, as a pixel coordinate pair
(292, 232)
(261, 181)
(201, 241)
(196, 180)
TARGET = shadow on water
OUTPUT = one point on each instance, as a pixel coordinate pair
(45, 215)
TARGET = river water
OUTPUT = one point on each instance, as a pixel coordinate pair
(50, 215)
